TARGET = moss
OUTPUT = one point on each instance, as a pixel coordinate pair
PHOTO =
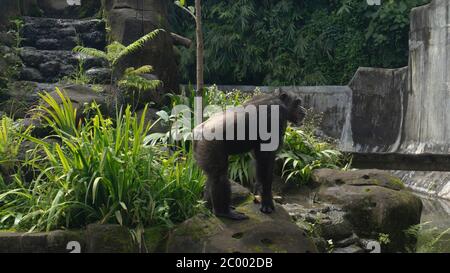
(258, 249)
(397, 182)
(153, 238)
(200, 226)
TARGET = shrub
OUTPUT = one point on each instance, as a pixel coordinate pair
(10, 141)
(101, 171)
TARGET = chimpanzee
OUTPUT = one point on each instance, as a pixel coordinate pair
(240, 130)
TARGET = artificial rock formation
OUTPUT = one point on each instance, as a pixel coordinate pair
(262, 233)
(427, 120)
(406, 110)
(375, 202)
(129, 20)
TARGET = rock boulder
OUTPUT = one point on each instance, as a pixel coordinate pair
(375, 203)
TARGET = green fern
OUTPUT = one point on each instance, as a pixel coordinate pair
(140, 43)
(114, 54)
(116, 51)
(139, 71)
(91, 52)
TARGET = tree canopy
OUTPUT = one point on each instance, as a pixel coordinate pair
(296, 42)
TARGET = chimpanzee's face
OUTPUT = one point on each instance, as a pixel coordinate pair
(296, 113)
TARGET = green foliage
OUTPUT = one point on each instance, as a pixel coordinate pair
(302, 153)
(115, 54)
(59, 115)
(296, 42)
(17, 28)
(430, 238)
(242, 169)
(384, 239)
(132, 79)
(101, 171)
(78, 76)
(10, 141)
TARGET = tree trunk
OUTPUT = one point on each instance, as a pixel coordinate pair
(199, 32)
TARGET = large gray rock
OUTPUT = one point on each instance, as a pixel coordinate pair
(19, 97)
(81, 95)
(261, 233)
(375, 202)
(109, 239)
(99, 75)
(128, 23)
(95, 239)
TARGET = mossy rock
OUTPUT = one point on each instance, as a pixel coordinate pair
(154, 238)
(262, 233)
(375, 203)
(109, 239)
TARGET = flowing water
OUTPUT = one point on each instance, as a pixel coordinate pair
(434, 233)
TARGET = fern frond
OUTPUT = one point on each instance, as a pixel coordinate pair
(140, 43)
(145, 69)
(90, 52)
(114, 50)
(132, 81)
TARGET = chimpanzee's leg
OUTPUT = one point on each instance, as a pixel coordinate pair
(221, 198)
(264, 174)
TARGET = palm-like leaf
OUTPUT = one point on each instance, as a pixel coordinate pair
(139, 71)
(140, 43)
(91, 52)
(133, 81)
(114, 50)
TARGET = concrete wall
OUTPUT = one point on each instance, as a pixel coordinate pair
(427, 119)
(376, 110)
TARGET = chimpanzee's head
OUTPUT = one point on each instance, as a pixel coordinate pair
(293, 103)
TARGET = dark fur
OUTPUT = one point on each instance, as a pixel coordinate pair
(212, 156)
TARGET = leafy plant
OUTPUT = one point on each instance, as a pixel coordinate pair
(78, 76)
(101, 171)
(384, 239)
(59, 115)
(430, 238)
(115, 54)
(10, 141)
(17, 28)
(302, 153)
(241, 169)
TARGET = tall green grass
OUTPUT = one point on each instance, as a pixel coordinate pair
(101, 171)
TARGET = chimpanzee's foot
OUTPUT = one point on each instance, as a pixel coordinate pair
(233, 215)
(267, 206)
